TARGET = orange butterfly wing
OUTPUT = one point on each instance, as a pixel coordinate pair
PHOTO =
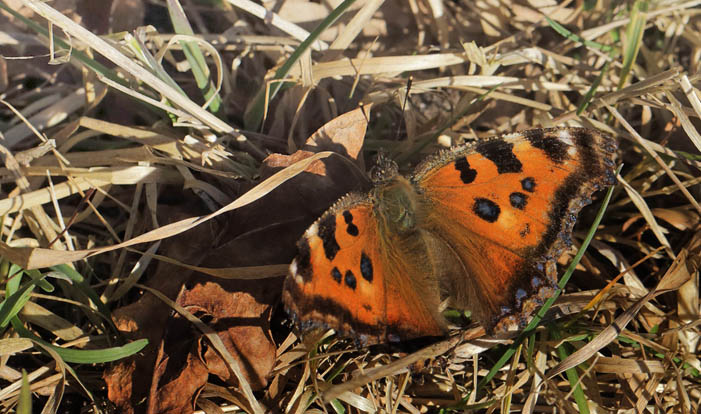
(482, 224)
(505, 207)
(347, 276)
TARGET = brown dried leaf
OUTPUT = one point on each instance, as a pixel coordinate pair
(239, 311)
(120, 385)
(179, 393)
(344, 135)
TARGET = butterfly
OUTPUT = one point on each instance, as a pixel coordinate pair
(480, 225)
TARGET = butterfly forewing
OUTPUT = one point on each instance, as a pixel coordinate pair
(506, 207)
(349, 277)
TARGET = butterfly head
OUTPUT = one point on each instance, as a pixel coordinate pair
(384, 170)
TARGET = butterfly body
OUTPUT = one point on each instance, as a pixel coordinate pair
(481, 225)
(396, 206)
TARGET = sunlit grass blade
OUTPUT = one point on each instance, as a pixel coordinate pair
(148, 61)
(24, 404)
(84, 356)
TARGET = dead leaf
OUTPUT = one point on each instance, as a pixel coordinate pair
(177, 392)
(344, 135)
(135, 380)
(239, 311)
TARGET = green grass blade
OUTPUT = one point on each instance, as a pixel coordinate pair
(41, 280)
(633, 40)
(143, 54)
(14, 279)
(79, 282)
(592, 89)
(69, 272)
(194, 56)
(24, 404)
(18, 296)
(337, 406)
(562, 30)
(572, 377)
(14, 303)
(84, 356)
(255, 112)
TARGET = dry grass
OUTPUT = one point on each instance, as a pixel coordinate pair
(88, 173)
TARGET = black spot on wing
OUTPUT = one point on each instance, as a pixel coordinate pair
(518, 200)
(350, 279)
(501, 154)
(366, 267)
(327, 234)
(304, 259)
(554, 149)
(352, 229)
(467, 174)
(486, 209)
(336, 275)
(528, 184)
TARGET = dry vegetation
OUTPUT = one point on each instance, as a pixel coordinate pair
(112, 161)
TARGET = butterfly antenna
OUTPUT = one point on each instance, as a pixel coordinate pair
(365, 111)
(406, 98)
